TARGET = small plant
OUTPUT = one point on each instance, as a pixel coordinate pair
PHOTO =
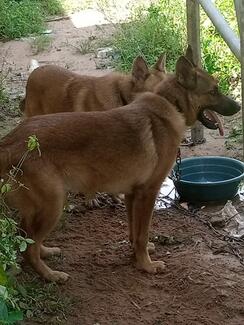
(11, 243)
(41, 43)
(217, 57)
(51, 7)
(235, 138)
(20, 18)
(150, 32)
(3, 76)
(85, 46)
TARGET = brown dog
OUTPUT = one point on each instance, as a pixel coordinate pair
(52, 89)
(126, 150)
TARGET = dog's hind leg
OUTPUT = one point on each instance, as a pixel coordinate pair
(143, 204)
(129, 208)
(38, 219)
(46, 252)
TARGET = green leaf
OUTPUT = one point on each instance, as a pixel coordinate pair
(23, 246)
(3, 310)
(30, 241)
(15, 315)
(22, 290)
(5, 188)
(3, 292)
(3, 276)
(33, 143)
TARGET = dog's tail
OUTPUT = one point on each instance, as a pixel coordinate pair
(34, 64)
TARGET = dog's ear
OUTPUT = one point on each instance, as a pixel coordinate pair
(140, 70)
(185, 73)
(160, 65)
(189, 55)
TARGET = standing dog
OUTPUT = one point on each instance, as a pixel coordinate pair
(126, 150)
(52, 89)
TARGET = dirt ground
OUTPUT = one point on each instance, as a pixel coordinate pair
(203, 280)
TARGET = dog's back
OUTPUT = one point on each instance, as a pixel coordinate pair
(52, 89)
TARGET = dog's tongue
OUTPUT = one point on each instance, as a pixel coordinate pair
(214, 117)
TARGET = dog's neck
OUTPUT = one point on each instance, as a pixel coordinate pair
(177, 95)
(126, 89)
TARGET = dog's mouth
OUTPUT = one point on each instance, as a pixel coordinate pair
(211, 120)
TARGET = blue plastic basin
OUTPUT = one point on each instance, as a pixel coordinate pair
(209, 178)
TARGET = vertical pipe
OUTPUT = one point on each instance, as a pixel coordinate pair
(193, 38)
(237, 8)
(241, 25)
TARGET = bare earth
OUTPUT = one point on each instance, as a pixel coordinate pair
(199, 286)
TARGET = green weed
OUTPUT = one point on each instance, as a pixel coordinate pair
(85, 46)
(43, 303)
(11, 243)
(41, 43)
(162, 28)
(26, 17)
(51, 7)
(20, 18)
(3, 75)
(150, 32)
(217, 57)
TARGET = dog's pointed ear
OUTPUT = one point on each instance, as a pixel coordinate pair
(189, 55)
(140, 71)
(160, 65)
(185, 73)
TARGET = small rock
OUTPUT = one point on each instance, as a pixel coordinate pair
(104, 53)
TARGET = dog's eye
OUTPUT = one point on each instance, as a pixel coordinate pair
(214, 92)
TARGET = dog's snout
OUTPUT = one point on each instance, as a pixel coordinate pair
(237, 106)
(227, 106)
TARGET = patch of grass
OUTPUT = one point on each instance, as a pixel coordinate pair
(3, 93)
(217, 57)
(91, 44)
(151, 31)
(42, 303)
(85, 46)
(161, 27)
(41, 43)
(20, 18)
(52, 7)
(26, 17)
(235, 138)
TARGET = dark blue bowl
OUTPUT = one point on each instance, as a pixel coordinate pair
(209, 178)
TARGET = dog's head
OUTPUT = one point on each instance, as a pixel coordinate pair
(145, 79)
(196, 94)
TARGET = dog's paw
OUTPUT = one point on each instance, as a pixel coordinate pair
(152, 267)
(118, 199)
(57, 276)
(92, 204)
(150, 247)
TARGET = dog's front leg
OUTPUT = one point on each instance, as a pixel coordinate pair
(143, 204)
(129, 198)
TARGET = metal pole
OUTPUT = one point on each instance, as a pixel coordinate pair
(222, 26)
(193, 37)
(241, 7)
(237, 8)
